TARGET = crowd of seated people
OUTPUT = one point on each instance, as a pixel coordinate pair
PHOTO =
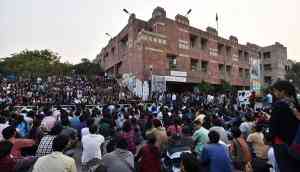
(192, 132)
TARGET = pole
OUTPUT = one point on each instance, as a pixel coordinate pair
(218, 27)
(217, 20)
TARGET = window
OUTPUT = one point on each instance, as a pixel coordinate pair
(267, 55)
(241, 72)
(268, 79)
(221, 68)
(204, 66)
(113, 51)
(194, 64)
(193, 41)
(240, 54)
(172, 62)
(247, 74)
(204, 43)
(124, 42)
(228, 70)
(267, 67)
(246, 56)
(220, 49)
(228, 51)
(106, 55)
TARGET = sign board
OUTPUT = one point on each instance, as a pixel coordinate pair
(178, 73)
(255, 75)
(158, 84)
(175, 79)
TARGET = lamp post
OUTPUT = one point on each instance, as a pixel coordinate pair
(126, 11)
(151, 78)
(188, 12)
(107, 34)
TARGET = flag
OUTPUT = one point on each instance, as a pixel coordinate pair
(217, 18)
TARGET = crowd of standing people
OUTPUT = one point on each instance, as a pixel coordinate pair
(188, 132)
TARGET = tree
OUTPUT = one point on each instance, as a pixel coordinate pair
(205, 87)
(86, 67)
(33, 63)
(293, 74)
(224, 87)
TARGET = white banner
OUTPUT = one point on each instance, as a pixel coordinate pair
(175, 79)
(178, 73)
(158, 84)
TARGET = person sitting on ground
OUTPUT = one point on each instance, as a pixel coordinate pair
(56, 161)
(215, 154)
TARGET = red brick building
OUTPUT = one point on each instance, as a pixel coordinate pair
(178, 51)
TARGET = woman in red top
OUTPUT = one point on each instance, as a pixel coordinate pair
(149, 156)
(9, 134)
(129, 134)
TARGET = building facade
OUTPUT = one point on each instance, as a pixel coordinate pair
(179, 53)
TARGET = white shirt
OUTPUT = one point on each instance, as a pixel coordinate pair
(2, 127)
(91, 144)
(272, 160)
(174, 97)
(85, 131)
(55, 161)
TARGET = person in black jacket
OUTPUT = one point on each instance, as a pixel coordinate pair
(284, 124)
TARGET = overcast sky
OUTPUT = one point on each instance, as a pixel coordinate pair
(76, 28)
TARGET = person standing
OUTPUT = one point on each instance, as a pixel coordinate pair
(45, 145)
(240, 151)
(189, 163)
(149, 156)
(200, 136)
(216, 155)
(284, 124)
(256, 139)
(119, 160)
(56, 161)
(129, 134)
(252, 99)
(91, 144)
